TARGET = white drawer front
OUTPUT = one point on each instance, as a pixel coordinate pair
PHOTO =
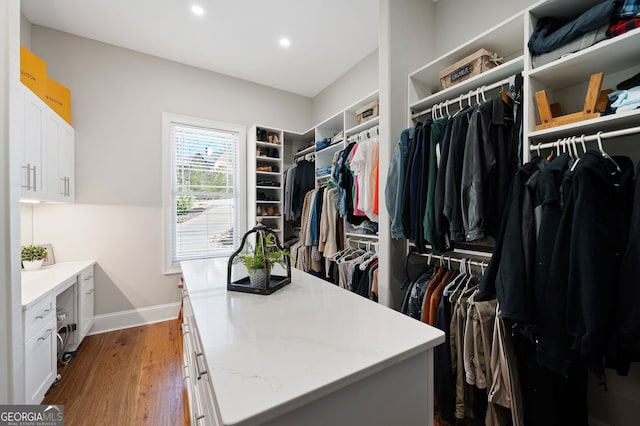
(38, 315)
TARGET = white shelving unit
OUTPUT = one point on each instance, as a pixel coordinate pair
(264, 179)
(506, 39)
(295, 145)
(565, 81)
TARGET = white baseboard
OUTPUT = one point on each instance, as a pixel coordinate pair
(134, 318)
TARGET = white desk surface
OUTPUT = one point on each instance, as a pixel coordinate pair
(37, 284)
(268, 355)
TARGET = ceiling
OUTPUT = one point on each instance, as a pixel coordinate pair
(234, 37)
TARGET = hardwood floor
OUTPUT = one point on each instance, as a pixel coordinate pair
(126, 377)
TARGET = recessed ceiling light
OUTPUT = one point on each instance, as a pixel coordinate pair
(198, 10)
(285, 42)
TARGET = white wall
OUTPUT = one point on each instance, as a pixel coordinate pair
(460, 20)
(25, 32)
(360, 81)
(118, 97)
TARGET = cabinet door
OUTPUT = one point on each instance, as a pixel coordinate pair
(51, 137)
(86, 298)
(40, 364)
(33, 173)
(66, 164)
(59, 140)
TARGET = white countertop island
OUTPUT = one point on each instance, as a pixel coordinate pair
(309, 354)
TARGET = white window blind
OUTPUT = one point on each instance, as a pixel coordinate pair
(204, 191)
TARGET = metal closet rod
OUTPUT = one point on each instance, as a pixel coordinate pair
(450, 258)
(590, 138)
(367, 243)
(461, 97)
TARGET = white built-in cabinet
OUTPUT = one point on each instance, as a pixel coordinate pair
(47, 166)
(196, 375)
(86, 301)
(40, 349)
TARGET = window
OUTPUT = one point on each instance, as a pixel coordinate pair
(203, 180)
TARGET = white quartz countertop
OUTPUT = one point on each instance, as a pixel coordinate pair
(268, 355)
(36, 284)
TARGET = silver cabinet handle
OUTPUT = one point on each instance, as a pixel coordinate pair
(185, 330)
(43, 314)
(202, 371)
(35, 178)
(64, 186)
(40, 339)
(28, 185)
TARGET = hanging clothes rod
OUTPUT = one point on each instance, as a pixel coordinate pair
(461, 97)
(367, 243)
(363, 135)
(449, 258)
(590, 138)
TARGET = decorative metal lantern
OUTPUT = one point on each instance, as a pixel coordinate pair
(252, 264)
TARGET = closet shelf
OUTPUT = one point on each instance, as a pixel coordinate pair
(608, 56)
(305, 151)
(363, 126)
(500, 72)
(323, 177)
(331, 148)
(359, 235)
(267, 202)
(505, 39)
(604, 123)
(267, 173)
(269, 144)
(267, 187)
(268, 159)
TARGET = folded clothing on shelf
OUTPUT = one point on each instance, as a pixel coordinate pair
(552, 33)
(323, 171)
(322, 144)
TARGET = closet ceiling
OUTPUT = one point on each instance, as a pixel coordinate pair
(238, 38)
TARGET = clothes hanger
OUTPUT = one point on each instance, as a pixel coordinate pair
(604, 154)
(451, 288)
(446, 105)
(538, 148)
(584, 147)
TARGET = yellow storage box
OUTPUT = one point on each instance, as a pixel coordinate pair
(33, 72)
(58, 98)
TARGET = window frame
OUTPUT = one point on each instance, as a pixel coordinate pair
(169, 173)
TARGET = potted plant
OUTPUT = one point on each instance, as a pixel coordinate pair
(259, 259)
(32, 257)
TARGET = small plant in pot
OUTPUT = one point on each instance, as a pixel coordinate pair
(257, 264)
(32, 257)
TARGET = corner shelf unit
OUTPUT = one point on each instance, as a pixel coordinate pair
(295, 145)
(264, 179)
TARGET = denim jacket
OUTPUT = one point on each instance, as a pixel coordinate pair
(395, 183)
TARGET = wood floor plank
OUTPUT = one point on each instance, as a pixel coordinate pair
(125, 377)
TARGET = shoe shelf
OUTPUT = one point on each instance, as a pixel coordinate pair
(264, 178)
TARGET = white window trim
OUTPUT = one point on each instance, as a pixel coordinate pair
(168, 172)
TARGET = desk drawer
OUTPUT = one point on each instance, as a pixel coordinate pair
(38, 315)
